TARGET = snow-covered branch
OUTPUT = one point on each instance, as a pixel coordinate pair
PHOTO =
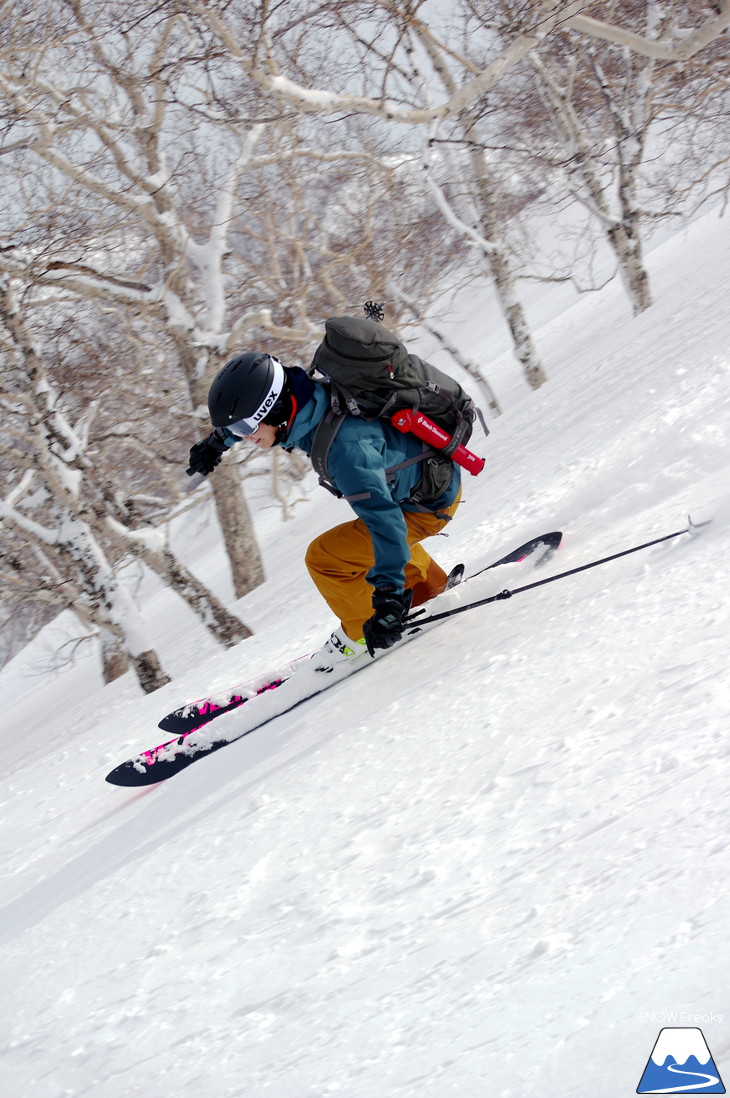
(673, 49)
(20, 488)
(45, 535)
(320, 101)
(453, 218)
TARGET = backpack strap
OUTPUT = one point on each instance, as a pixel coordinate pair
(324, 437)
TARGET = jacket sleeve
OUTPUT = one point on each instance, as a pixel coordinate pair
(359, 470)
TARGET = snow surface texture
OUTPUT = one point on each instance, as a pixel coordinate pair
(471, 870)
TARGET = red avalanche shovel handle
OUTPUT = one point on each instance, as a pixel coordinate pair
(428, 431)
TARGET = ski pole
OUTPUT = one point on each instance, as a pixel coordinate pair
(692, 528)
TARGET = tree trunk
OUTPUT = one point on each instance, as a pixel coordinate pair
(624, 234)
(490, 217)
(224, 626)
(514, 314)
(627, 247)
(114, 660)
(449, 347)
(107, 603)
(234, 517)
(149, 671)
(500, 267)
(237, 528)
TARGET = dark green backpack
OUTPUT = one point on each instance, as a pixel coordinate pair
(371, 374)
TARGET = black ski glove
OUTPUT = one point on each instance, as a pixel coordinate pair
(205, 455)
(386, 625)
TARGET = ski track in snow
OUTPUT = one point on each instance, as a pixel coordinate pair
(467, 870)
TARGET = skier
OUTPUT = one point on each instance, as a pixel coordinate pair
(372, 570)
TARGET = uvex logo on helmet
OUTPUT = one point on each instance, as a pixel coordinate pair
(265, 407)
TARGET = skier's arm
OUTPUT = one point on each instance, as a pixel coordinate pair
(360, 471)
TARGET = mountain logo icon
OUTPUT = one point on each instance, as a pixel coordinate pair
(680, 1063)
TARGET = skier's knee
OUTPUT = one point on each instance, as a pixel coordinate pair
(315, 557)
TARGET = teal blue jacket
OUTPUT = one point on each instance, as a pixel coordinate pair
(360, 454)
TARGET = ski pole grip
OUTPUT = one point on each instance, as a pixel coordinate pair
(428, 431)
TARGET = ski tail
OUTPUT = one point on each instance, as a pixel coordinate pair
(282, 695)
(161, 762)
(196, 714)
(190, 717)
(157, 764)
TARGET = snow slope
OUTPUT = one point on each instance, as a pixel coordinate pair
(482, 867)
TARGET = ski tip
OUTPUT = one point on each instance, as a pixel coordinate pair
(161, 763)
(696, 528)
(552, 543)
(196, 714)
(542, 547)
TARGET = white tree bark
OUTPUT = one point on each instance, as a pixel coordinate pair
(57, 457)
(619, 217)
(488, 232)
(138, 184)
(677, 49)
(106, 601)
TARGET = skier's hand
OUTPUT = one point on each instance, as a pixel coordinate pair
(205, 455)
(390, 611)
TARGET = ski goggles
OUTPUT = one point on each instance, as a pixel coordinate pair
(245, 427)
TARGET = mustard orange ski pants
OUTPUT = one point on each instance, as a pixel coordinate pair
(339, 560)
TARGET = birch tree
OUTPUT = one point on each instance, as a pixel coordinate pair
(488, 215)
(87, 580)
(94, 109)
(607, 103)
(467, 75)
(109, 457)
(387, 45)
